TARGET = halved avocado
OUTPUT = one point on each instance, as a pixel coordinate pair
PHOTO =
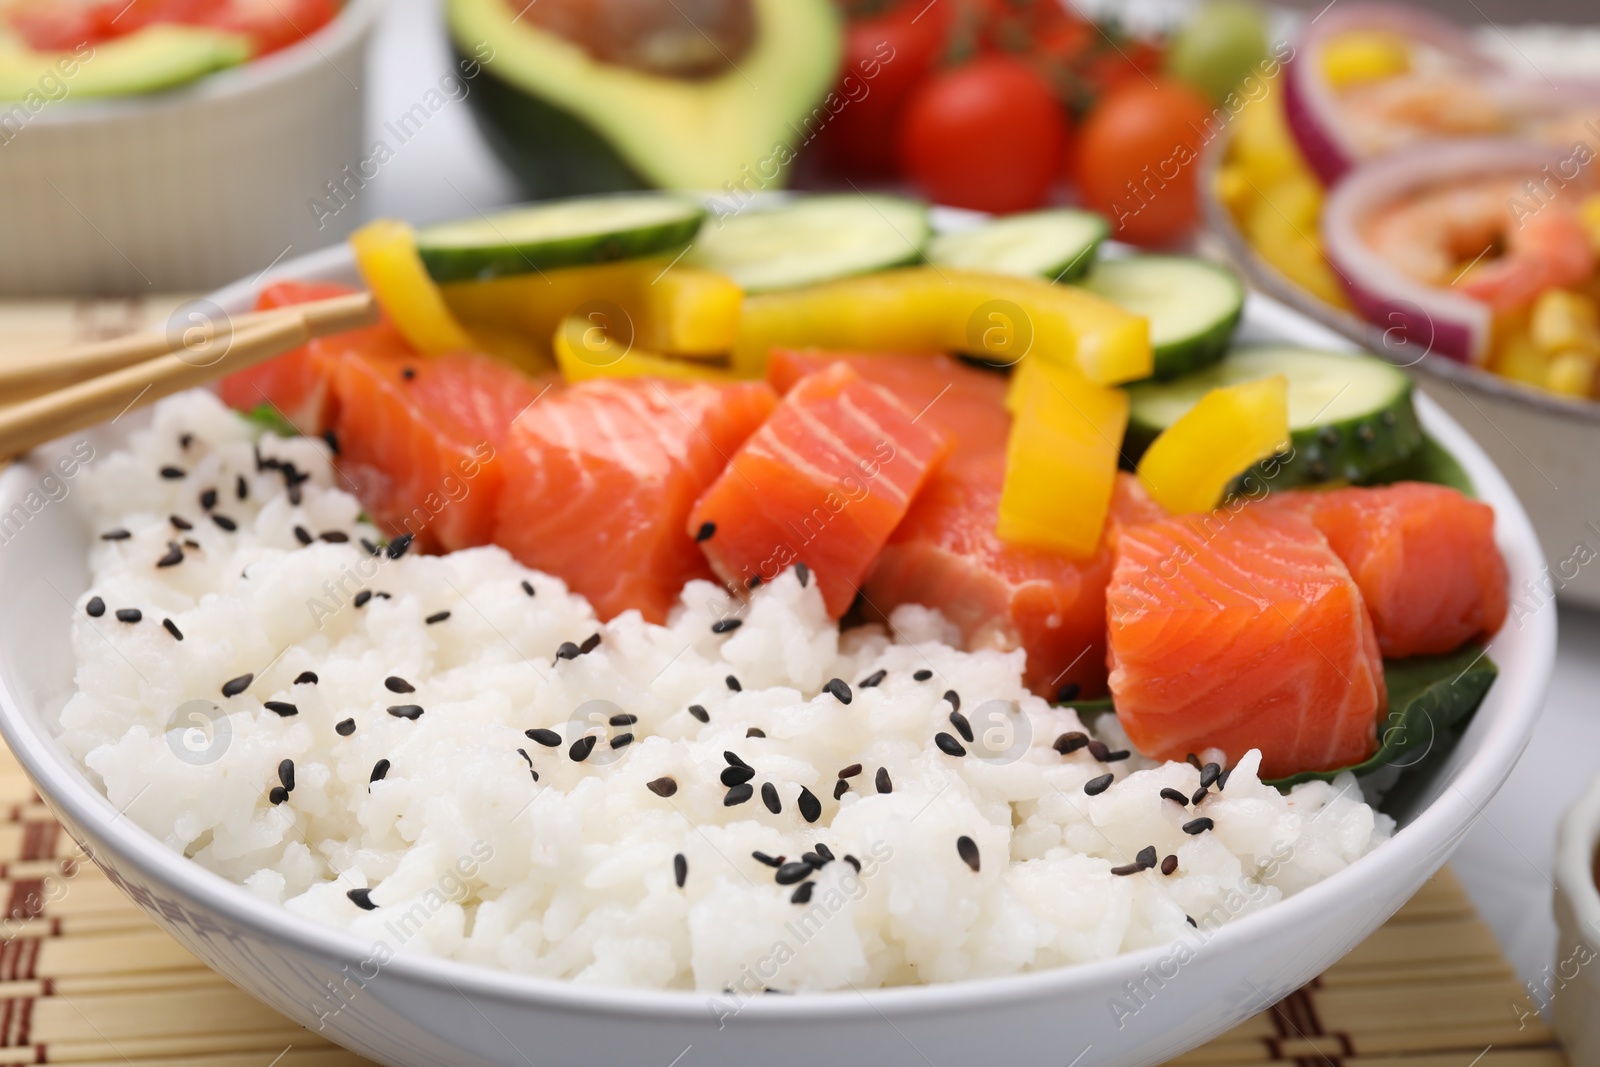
(149, 60)
(566, 123)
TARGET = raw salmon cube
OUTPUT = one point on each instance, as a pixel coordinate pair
(600, 478)
(824, 482)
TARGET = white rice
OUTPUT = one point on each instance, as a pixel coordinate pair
(572, 875)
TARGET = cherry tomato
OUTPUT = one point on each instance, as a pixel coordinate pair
(989, 135)
(62, 25)
(271, 24)
(1138, 159)
(885, 56)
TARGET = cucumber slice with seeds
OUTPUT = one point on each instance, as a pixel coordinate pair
(813, 239)
(1058, 246)
(1350, 415)
(559, 233)
(1193, 306)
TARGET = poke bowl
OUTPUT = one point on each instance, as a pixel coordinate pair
(175, 157)
(1463, 346)
(1142, 1006)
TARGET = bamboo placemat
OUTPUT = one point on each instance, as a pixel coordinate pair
(85, 978)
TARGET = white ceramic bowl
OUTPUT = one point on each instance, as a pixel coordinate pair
(418, 1010)
(183, 190)
(1570, 986)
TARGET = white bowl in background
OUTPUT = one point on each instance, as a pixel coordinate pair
(417, 1010)
(182, 190)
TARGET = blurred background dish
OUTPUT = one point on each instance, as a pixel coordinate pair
(177, 156)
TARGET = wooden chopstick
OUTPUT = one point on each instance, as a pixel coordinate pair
(30, 376)
(93, 400)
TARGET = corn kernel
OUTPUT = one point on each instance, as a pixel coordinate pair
(1364, 56)
(1589, 215)
(1572, 374)
(1563, 320)
(1515, 356)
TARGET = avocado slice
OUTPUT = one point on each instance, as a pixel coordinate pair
(148, 60)
(566, 123)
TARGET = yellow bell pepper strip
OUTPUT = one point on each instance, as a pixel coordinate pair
(585, 349)
(1357, 57)
(1061, 460)
(386, 254)
(1190, 465)
(684, 311)
(923, 309)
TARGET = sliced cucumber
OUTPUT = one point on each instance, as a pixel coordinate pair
(1350, 415)
(813, 239)
(1057, 245)
(1192, 305)
(558, 233)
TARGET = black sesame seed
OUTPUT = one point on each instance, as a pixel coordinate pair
(333, 441)
(754, 582)
(706, 532)
(881, 780)
(873, 680)
(967, 849)
(1126, 869)
(1190, 919)
(224, 522)
(738, 794)
(1068, 693)
(1098, 750)
(680, 869)
(733, 683)
(1222, 780)
(286, 774)
(625, 719)
(734, 760)
(129, 615)
(189, 542)
(115, 535)
(527, 587)
(579, 750)
(345, 728)
(852, 861)
(281, 708)
(732, 776)
(1069, 743)
(438, 616)
(172, 473)
(362, 898)
(1146, 857)
(813, 859)
(790, 873)
(277, 794)
(234, 686)
(850, 771)
(963, 727)
(810, 806)
(1095, 786)
(770, 861)
(839, 690)
(590, 643)
(173, 557)
(241, 488)
(334, 537)
(802, 893)
(303, 535)
(755, 731)
(371, 547)
(379, 770)
(408, 373)
(1193, 761)
(663, 786)
(824, 851)
(362, 597)
(568, 650)
(699, 713)
(306, 678)
(840, 788)
(923, 675)
(95, 607)
(1199, 795)
(769, 797)
(1169, 865)
(954, 698)
(1173, 795)
(1117, 756)
(1198, 826)
(208, 499)
(406, 711)
(396, 684)
(180, 523)
(185, 440)
(948, 744)
(723, 626)
(398, 546)
(1209, 775)
(802, 572)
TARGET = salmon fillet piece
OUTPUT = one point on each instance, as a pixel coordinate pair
(600, 478)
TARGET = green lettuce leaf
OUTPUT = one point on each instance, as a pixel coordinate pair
(271, 420)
